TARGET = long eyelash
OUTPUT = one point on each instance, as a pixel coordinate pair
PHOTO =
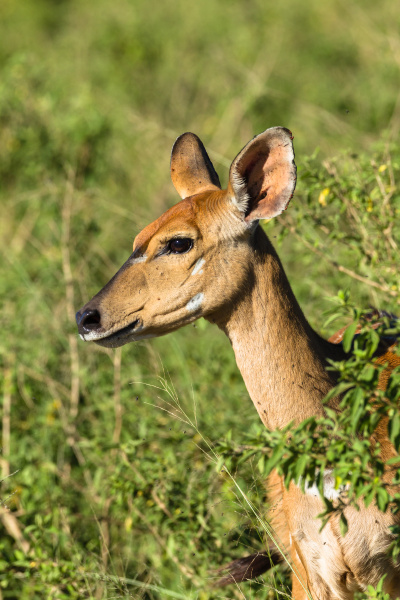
(164, 250)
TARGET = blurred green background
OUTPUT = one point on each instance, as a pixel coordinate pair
(114, 497)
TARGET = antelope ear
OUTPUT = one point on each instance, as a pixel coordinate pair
(192, 171)
(263, 175)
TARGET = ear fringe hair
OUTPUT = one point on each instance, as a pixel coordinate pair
(241, 198)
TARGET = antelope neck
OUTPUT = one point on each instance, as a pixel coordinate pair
(281, 358)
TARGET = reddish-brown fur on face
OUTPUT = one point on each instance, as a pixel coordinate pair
(181, 214)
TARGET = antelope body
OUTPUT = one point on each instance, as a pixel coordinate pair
(207, 257)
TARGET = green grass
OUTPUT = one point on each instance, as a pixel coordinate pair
(111, 489)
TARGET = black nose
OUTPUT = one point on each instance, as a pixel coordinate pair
(89, 320)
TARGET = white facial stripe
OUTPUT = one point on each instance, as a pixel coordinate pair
(138, 260)
(195, 302)
(198, 266)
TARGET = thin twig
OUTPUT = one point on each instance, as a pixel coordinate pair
(13, 529)
(6, 425)
(8, 519)
(161, 504)
(69, 291)
(118, 410)
(21, 388)
(343, 269)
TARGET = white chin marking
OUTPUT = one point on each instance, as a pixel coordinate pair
(195, 302)
(198, 266)
(92, 336)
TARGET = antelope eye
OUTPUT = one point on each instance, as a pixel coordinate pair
(180, 245)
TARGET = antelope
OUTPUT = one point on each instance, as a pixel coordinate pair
(208, 257)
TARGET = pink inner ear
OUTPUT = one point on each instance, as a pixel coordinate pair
(263, 175)
(270, 184)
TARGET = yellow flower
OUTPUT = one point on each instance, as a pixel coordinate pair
(323, 196)
(382, 168)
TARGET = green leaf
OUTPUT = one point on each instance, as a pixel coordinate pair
(300, 466)
(382, 499)
(394, 427)
(348, 336)
(274, 459)
(246, 455)
(261, 464)
(220, 463)
(374, 341)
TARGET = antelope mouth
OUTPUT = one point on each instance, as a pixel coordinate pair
(116, 338)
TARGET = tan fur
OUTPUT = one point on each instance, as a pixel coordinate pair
(241, 286)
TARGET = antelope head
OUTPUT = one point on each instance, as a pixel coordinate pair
(196, 259)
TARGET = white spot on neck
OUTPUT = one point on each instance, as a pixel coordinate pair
(330, 491)
(198, 266)
(195, 302)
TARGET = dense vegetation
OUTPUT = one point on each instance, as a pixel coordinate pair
(110, 460)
